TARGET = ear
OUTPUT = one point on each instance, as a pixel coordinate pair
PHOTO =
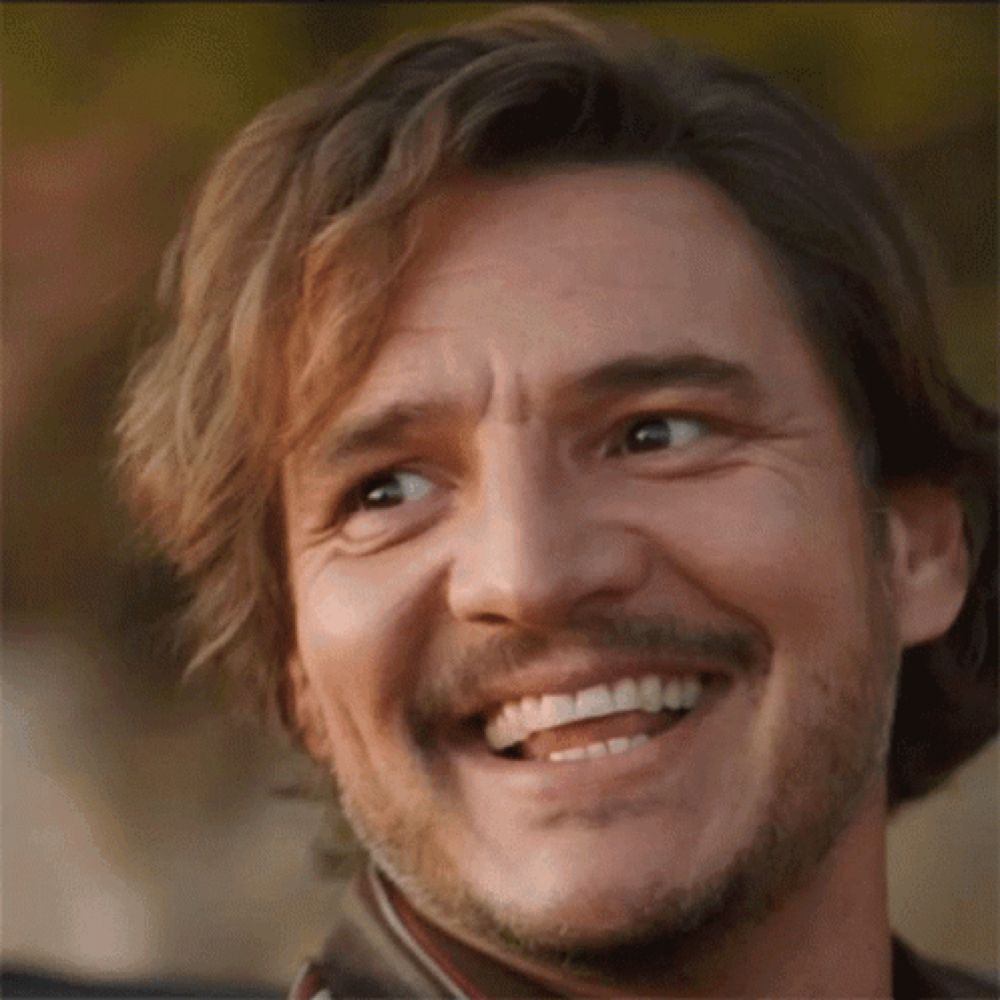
(929, 560)
(303, 713)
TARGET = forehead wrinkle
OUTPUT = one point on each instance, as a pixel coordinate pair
(507, 398)
(495, 389)
(397, 417)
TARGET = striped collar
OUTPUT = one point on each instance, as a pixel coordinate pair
(381, 947)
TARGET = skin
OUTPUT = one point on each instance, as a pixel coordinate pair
(517, 532)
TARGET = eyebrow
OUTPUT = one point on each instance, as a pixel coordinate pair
(387, 427)
(642, 372)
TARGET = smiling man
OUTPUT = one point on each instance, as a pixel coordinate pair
(555, 430)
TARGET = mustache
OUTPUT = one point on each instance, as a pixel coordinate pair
(463, 677)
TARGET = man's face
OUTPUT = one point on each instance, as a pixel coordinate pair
(594, 504)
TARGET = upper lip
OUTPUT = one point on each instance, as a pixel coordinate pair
(574, 672)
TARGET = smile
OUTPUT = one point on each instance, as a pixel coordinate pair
(598, 721)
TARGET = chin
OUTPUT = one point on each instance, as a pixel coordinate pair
(621, 907)
(576, 901)
(595, 923)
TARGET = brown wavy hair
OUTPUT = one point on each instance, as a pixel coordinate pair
(275, 289)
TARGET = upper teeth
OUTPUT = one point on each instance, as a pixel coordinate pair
(516, 720)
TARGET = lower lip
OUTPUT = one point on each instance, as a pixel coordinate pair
(671, 751)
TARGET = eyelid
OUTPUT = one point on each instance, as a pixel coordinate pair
(348, 501)
(354, 494)
(371, 482)
(621, 427)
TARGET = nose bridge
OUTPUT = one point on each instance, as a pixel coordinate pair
(533, 547)
(521, 501)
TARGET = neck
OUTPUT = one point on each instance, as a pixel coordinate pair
(828, 938)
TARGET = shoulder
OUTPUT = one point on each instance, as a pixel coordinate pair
(918, 978)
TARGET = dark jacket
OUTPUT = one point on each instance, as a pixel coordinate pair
(383, 949)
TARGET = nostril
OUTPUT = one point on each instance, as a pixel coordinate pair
(490, 618)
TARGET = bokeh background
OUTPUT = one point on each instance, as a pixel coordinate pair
(142, 833)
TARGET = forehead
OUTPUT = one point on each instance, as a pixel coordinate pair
(525, 281)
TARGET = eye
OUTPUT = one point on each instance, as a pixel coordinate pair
(659, 432)
(390, 489)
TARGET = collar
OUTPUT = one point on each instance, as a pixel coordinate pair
(382, 947)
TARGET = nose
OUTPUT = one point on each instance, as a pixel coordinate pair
(537, 546)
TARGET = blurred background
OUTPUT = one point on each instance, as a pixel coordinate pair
(141, 833)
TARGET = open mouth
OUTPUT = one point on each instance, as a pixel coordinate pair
(598, 721)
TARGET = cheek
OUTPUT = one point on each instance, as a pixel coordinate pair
(791, 555)
(360, 633)
(795, 558)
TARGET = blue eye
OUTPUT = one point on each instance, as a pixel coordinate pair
(656, 433)
(391, 490)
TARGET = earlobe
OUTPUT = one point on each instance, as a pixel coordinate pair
(930, 560)
(302, 711)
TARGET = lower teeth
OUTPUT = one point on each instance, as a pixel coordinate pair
(620, 744)
(606, 748)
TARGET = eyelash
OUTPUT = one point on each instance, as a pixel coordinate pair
(707, 425)
(353, 499)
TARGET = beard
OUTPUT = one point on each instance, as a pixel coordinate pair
(828, 762)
